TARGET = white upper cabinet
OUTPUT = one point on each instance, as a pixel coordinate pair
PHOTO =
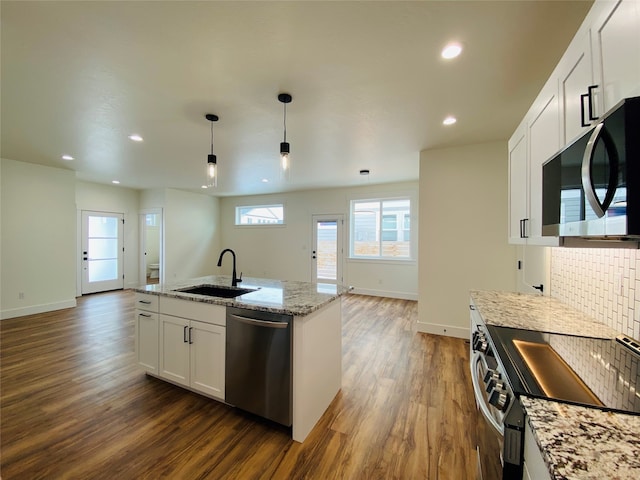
(615, 35)
(535, 140)
(544, 141)
(518, 185)
(600, 67)
(577, 90)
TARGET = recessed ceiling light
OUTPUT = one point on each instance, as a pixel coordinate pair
(204, 186)
(265, 180)
(115, 181)
(449, 120)
(451, 51)
(135, 137)
(67, 157)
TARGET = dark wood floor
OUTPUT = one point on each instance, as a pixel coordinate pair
(74, 406)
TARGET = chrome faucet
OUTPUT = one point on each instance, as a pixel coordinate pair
(234, 280)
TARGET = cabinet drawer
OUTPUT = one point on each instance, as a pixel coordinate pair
(147, 302)
(204, 312)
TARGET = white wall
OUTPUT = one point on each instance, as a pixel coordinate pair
(463, 233)
(38, 254)
(112, 199)
(192, 234)
(284, 252)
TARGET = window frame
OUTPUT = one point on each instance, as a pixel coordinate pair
(238, 214)
(400, 230)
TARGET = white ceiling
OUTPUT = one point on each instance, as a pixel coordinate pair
(369, 87)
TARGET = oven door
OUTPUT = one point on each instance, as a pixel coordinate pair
(489, 428)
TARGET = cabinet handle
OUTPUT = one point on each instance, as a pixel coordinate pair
(523, 228)
(144, 314)
(184, 334)
(589, 97)
(591, 102)
(582, 122)
(190, 337)
(146, 302)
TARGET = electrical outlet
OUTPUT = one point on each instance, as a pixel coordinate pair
(619, 285)
(21, 296)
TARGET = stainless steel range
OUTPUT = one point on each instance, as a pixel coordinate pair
(508, 362)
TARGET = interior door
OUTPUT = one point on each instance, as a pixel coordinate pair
(102, 251)
(327, 249)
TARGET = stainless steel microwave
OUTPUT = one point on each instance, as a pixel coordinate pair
(591, 188)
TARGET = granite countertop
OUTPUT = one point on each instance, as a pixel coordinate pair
(536, 312)
(276, 296)
(584, 443)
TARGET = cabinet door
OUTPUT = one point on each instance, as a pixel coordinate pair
(575, 74)
(174, 349)
(147, 340)
(616, 37)
(517, 185)
(544, 141)
(207, 358)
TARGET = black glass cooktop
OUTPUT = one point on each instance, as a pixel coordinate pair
(604, 373)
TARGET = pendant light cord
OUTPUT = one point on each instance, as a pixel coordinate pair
(285, 122)
(211, 138)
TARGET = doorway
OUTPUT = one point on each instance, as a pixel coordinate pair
(151, 264)
(102, 252)
(327, 249)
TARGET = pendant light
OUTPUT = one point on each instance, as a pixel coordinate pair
(212, 165)
(285, 162)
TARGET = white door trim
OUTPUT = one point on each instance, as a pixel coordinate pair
(339, 219)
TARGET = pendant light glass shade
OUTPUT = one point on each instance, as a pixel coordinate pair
(212, 164)
(285, 167)
(212, 171)
(285, 149)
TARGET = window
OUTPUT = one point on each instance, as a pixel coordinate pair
(260, 215)
(381, 228)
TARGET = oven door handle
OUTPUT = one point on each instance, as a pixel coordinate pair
(481, 401)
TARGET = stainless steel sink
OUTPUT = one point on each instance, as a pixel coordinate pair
(216, 291)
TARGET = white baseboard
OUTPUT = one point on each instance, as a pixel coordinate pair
(33, 309)
(385, 293)
(446, 330)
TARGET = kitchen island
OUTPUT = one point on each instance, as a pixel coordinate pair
(316, 337)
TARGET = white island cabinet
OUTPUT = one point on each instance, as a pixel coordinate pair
(181, 338)
(192, 345)
(146, 324)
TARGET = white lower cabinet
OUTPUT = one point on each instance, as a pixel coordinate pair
(192, 352)
(147, 340)
(207, 358)
(174, 349)
(146, 324)
(534, 466)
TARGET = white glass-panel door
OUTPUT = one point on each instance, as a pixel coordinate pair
(102, 252)
(326, 254)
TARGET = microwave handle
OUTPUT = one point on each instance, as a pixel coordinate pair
(587, 159)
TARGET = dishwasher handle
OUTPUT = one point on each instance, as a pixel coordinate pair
(260, 323)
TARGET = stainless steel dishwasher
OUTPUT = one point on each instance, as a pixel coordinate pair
(258, 363)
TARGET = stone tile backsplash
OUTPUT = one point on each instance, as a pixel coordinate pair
(601, 282)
